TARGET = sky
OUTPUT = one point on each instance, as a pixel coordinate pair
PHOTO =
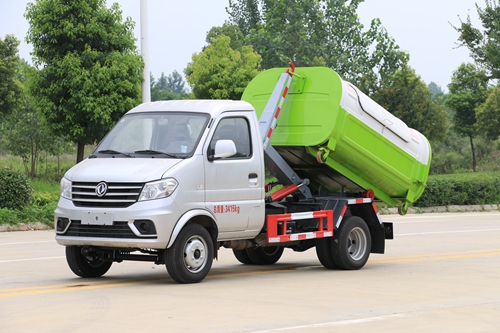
(177, 29)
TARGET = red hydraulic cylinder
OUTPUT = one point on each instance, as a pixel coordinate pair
(280, 194)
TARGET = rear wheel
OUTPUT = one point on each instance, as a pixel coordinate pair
(242, 257)
(190, 258)
(88, 265)
(351, 244)
(265, 255)
(324, 252)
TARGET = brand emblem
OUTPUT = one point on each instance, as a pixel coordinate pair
(101, 189)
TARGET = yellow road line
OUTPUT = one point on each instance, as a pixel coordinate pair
(81, 283)
(437, 257)
(60, 288)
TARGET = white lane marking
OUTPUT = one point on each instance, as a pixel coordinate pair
(334, 323)
(30, 259)
(35, 242)
(445, 232)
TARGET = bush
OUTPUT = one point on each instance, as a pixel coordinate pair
(43, 203)
(479, 188)
(9, 216)
(41, 199)
(43, 214)
(15, 189)
(450, 162)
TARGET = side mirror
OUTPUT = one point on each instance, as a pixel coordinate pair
(223, 149)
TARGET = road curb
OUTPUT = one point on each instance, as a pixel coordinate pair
(30, 226)
(443, 209)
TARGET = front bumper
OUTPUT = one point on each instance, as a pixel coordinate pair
(145, 224)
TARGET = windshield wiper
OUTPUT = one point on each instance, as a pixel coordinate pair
(150, 151)
(110, 151)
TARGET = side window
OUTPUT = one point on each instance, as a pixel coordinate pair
(236, 129)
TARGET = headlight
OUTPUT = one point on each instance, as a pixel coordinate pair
(159, 189)
(65, 188)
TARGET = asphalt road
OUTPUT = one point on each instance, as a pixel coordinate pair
(441, 273)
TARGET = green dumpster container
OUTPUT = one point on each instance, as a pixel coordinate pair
(341, 140)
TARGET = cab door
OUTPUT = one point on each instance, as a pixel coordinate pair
(234, 185)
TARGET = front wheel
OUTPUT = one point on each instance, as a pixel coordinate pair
(190, 258)
(88, 265)
(265, 255)
(351, 244)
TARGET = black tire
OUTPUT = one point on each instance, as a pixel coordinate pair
(351, 244)
(324, 252)
(86, 266)
(242, 257)
(190, 258)
(265, 255)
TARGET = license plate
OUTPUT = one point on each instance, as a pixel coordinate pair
(97, 218)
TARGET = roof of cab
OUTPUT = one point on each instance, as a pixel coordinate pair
(208, 106)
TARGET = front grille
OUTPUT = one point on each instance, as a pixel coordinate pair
(118, 195)
(117, 230)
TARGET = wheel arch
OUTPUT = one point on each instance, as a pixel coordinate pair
(371, 217)
(196, 216)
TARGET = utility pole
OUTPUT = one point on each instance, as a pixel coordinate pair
(146, 85)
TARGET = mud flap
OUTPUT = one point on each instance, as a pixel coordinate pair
(389, 231)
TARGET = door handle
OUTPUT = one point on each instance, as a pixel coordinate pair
(253, 179)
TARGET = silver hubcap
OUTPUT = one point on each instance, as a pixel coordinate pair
(195, 254)
(357, 243)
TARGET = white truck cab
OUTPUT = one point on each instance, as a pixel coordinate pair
(162, 166)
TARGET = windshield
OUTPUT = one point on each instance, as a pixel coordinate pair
(163, 134)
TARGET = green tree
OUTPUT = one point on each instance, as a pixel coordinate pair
(484, 46)
(468, 90)
(220, 72)
(247, 14)
(318, 32)
(230, 30)
(168, 87)
(164, 95)
(437, 91)
(90, 70)
(25, 136)
(176, 83)
(56, 147)
(10, 89)
(488, 115)
(161, 83)
(405, 95)
(25, 133)
(450, 154)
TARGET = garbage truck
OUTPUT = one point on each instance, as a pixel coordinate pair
(299, 162)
